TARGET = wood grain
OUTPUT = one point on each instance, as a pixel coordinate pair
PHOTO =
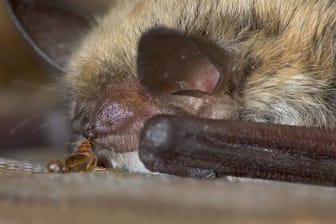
(128, 198)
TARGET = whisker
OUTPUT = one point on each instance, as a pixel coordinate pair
(48, 123)
(21, 124)
(73, 143)
(42, 126)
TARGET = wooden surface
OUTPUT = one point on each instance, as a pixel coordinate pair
(109, 197)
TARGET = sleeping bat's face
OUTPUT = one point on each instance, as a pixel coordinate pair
(175, 74)
(123, 74)
(230, 65)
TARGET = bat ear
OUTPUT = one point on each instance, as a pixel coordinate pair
(53, 32)
(171, 62)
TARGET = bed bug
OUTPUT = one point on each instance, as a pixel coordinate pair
(83, 158)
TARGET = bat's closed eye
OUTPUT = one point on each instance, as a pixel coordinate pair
(191, 93)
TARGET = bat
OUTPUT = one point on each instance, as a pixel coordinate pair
(235, 63)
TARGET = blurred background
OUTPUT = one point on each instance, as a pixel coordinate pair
(34, 49)
(27, 98)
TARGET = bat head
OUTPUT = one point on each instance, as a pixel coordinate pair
(175, 73)
(129, 69)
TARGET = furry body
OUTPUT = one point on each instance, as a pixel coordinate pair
(286, 47)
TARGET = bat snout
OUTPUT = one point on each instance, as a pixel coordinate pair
(119, 115)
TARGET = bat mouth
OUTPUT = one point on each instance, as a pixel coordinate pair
(128, 161)
(117, 143)
(123, 140)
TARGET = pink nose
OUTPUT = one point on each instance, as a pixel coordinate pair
(120, 110)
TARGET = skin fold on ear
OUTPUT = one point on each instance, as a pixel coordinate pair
(171, 62)
(53, 33)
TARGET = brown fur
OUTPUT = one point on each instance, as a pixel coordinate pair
(288, 45)
(291, 42)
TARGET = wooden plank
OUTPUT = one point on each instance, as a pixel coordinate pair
(128, 198)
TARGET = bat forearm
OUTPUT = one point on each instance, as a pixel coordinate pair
(183, 146)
